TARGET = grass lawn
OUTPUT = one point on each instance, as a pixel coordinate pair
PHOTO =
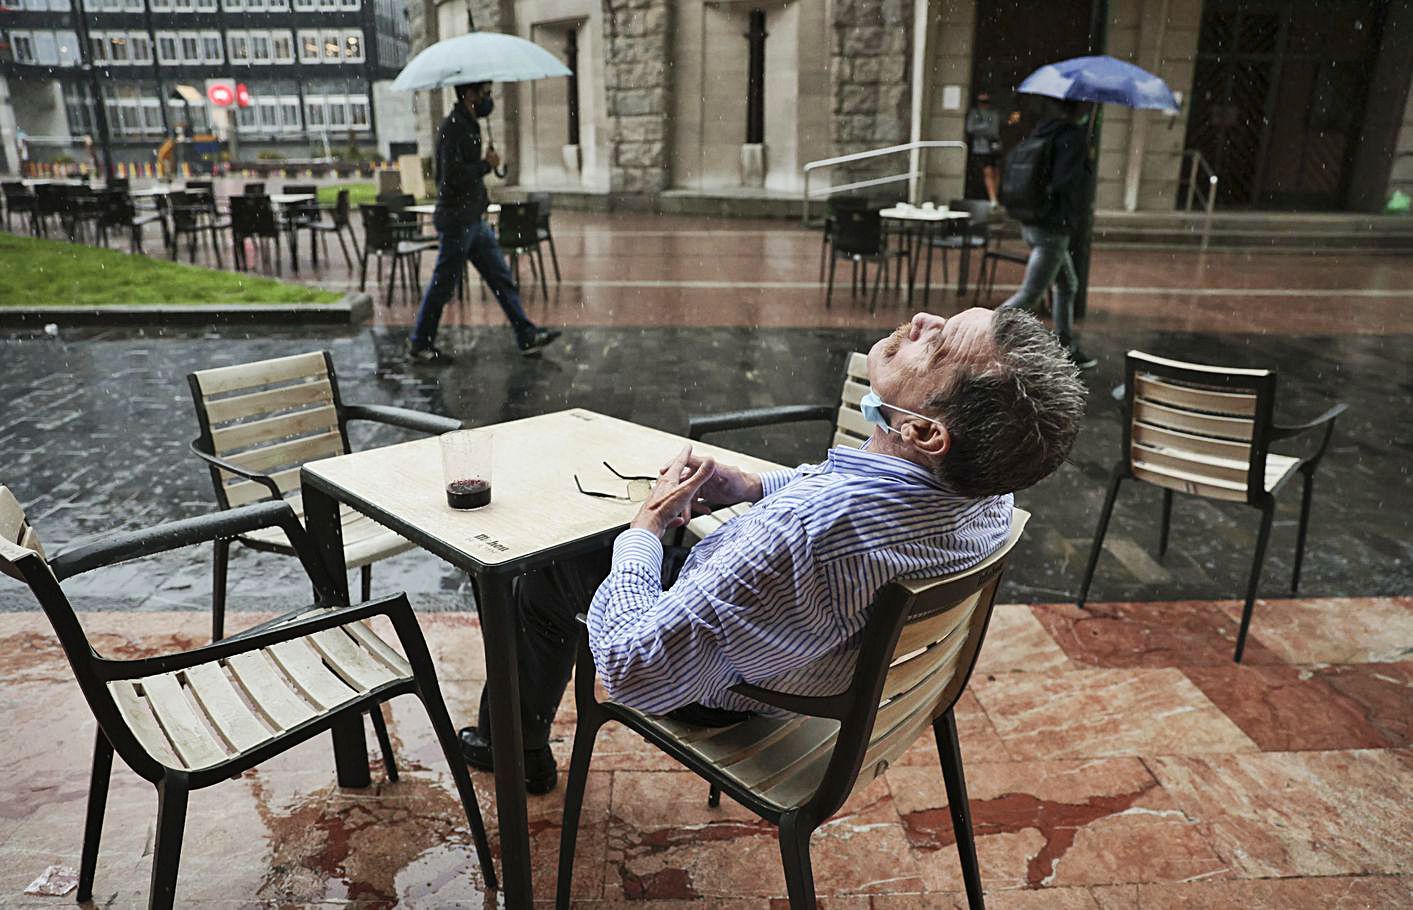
(40, 273)
(358, 193)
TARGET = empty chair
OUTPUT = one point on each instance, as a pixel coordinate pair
(833, 205)
(253, 218)
(192, 719)
(301, 216)
(1206, 431)
(338, 225)
(117, 212)
(795, 770)
(79, 213)
(546, 235)
(383, 238)
(972, 234)
(518, 230)
(201, 195)
(49, 202)
(20, 202)
(858, 236)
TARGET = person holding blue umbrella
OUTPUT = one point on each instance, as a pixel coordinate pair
(1047, 177)
(470, 64)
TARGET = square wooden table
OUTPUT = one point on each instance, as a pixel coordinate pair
(536, 517)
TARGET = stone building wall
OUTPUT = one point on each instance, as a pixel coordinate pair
(870, 75)
(638, 87)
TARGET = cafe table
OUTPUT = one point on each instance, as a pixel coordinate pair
(919, 225)
(536, 517)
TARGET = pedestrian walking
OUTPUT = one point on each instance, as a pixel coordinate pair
(1045, 187)
(463, 232)
(983, 129)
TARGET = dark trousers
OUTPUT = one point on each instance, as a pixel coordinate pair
(475, 242)
(546, 604)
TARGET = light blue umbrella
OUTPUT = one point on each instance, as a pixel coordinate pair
(478, 57)
(1103, 79)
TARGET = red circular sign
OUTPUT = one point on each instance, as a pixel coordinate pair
(242, 95)
(220, 95)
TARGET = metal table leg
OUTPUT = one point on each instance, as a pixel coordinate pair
(503, 680)
(321, 519)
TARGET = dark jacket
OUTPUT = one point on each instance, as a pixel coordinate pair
(461, 172)
(1069, 174)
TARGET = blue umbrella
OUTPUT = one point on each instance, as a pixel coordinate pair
(478, 57)
(1103, 79)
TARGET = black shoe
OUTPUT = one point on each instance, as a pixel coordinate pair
(429, 356)
(1081, 359)
(531, 343)
(541, 775)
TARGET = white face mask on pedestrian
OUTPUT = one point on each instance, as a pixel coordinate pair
(872, 407)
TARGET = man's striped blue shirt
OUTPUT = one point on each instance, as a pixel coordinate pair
(779, 595)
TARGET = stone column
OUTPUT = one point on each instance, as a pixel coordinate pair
(638, 86)
(871, 64)
(424, 32)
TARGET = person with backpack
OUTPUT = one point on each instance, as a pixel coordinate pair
(1045, 187)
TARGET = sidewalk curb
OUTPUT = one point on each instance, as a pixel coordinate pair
(355, 308)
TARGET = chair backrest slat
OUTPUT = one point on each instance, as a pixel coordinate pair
(16, 535)
(1197, 428)
(850, 428)
(270, 416)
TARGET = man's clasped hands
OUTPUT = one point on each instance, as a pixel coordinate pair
(688, 485)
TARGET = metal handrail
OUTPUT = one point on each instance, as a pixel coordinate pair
(1209, 196)
(910, 174)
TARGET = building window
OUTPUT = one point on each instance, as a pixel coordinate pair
(191, 48)
(269, 114)
(134, 6)
(183, 6)
(308, 47)
(46, 49)
(282, 46)
(314, 113)
(245, 119)
(259, 47)
(289, 115)
(255, 6)
(337, 111)
(279, 6)
(238, 47)
(79, 112)
(205, 6)
(353, 47)
(161, 6)
(571, 60)
(59, 6)
(97, 47)
(235, 6)
(151, 115)
(328, 6)
(112, 6)
(332, 50)
(358, 114)
(211, 47)
(118, 48)
(167, 47)
(68, 49)
(352, 5)
(140, 47)
(305, 6)
(37, 6)
(755, 78)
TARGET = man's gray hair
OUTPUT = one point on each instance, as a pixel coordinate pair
(1012, 421)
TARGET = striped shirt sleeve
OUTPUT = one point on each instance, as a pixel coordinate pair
(726, 621)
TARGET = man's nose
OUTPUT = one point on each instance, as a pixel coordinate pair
(924, 321)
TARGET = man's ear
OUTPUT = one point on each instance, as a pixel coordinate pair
(929, 438)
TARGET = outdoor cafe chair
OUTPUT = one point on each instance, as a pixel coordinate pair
(338, 225)
(192, 719)
(117, 212)
(302, 216)
(20, 202)
(518, 231)
(49, 202)
(849, 428)
(259, 422)
(384, 237)
(185, 213)
(797, 769)
(1207, 431)
(253, 218)
(546, 235)
(973, 235)
(858, 236)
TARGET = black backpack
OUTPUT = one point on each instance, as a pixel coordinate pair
(1025, 180)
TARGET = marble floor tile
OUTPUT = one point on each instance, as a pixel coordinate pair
(974, 731)
(1097, 713)
(1341, 893)
(1016, 641)
(1384, 692)
(1346, 630)
(1164, 634)
(1285, 709)
(1299, 813)
(1055, 824)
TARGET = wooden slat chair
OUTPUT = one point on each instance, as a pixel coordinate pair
(850, 429)
(1207, 431)
(259, 423)
(191, 719)
(915, 657)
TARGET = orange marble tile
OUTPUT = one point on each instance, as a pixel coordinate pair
(974, 731)
(1094, 713)
(1345, 630)
(1162, 634)
(1041, 824)
(1342, 893)
(1016, 641)
(1299, 813)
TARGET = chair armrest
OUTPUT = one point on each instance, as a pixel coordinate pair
(121, 547)
(388, 606)
(264, 479)
(697, 427)
(406, 418)
(1325, 420)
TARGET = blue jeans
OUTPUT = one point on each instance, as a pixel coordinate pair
(476, 242)
(1049, 264)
